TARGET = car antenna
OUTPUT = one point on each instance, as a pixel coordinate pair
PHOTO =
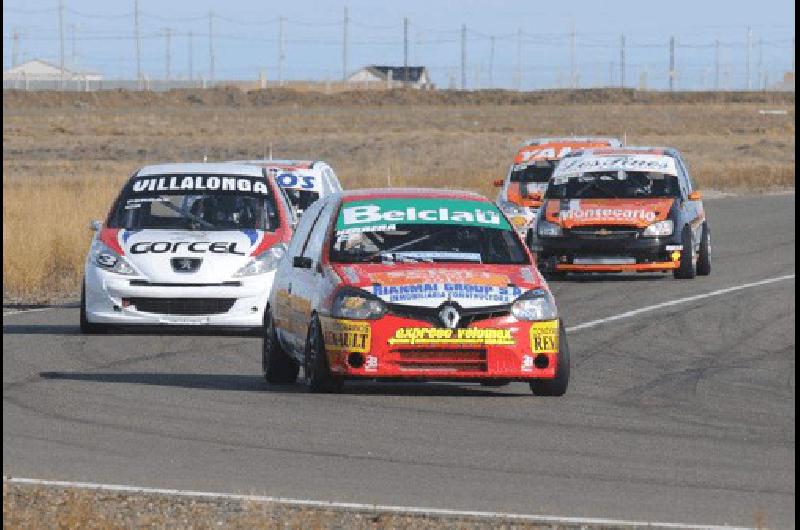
(270, 151)
(624, 138)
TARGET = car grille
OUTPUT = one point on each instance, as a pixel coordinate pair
(605, 233)
(431, 314)
(181, 306)
(442, 359)
(146, 283)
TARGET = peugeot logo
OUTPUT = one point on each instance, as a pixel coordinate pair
(449, 316)
(186, 264)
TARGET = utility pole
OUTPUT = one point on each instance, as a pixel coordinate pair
(281, 55)
(491, 61)
(716, 64)
(747, 57)
(74, 59)
(15, 48)
(405, 51)
(622, 61)
(463, 56)
(138, 43)
(210, 46)
(519, 59)
(345, 22)
(191, 58)
(572, 78)
(167, 38)
(61, 41)
(671, 64)
(760, 64)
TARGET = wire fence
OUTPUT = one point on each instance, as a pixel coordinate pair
(142, 49)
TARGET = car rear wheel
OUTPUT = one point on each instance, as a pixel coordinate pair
(704, 255)
(88, 328)
(276, 365)
(687, 268)
(558, 385)
(317, 374)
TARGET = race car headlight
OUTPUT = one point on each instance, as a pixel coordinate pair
(536, 304)
(659, 228)
(107, 259)
(355, 304)
(548, 229)
(267, 261)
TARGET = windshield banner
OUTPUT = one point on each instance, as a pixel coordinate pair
(200, 183)
(375, 214)
(573, 167)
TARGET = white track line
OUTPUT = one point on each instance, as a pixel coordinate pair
(364, 507)
(646, 309)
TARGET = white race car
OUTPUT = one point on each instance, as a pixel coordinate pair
(187, 244)
(304, 181)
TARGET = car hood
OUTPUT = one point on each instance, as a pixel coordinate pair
(160, 255)
(640, 213)
(429, 285)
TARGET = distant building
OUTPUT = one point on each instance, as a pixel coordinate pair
(391, 77)
(786, 84)
(39, 70)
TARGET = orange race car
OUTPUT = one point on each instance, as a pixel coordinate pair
(524, 187)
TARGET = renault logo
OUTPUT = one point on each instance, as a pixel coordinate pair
(449, 316)
(185, 264)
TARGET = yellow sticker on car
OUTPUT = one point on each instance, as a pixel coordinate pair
(544, 336)
(464, 336)
(347, 335)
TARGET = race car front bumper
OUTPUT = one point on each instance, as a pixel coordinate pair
(124, 300)
(400, 348)
(568, 254)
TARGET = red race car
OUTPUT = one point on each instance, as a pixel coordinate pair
(411, 284)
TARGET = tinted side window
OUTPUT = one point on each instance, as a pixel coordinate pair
(313, 248)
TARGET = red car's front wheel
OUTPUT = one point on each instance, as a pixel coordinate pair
(556, 386)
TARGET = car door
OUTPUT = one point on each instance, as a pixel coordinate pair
(307, 274)
(692, 213)
(282, 307)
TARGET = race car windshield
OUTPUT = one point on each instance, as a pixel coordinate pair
(423, 229)
(412, 243)
(615, 185)
(539, 172)
(196, 202)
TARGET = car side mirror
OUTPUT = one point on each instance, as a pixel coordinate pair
(301, 262)
(498, 183)
(95, 225)
(695, 196)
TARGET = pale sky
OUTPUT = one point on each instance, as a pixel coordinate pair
(246, 36)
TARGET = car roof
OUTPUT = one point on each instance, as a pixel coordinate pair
(627, 150)
(567, 139)
(408, 193)
(284, 164)
(215, 168)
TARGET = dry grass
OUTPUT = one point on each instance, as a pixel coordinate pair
(40, 507)
(66, 155)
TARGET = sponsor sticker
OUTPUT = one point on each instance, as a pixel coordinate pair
(200, 183)
(450, 291)
(371, 363)
(527, 363)
(347, 335)
(439, 276)
(463, 336)
(544, 336)
(419, 211)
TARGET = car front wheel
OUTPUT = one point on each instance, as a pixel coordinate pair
(88, 328)
(276, 365)
(317, 374)
(556, 386)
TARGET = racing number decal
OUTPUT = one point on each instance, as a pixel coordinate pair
(289, 180)
(544, 336)
(347, 335)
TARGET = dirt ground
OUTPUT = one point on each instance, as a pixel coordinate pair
(65, 155)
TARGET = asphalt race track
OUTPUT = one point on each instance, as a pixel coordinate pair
(683, 414)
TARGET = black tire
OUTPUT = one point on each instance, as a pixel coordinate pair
(88, 328)
(558, 385)
(317, 374)
(704, 254)
(276, 366)
(687, 268)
